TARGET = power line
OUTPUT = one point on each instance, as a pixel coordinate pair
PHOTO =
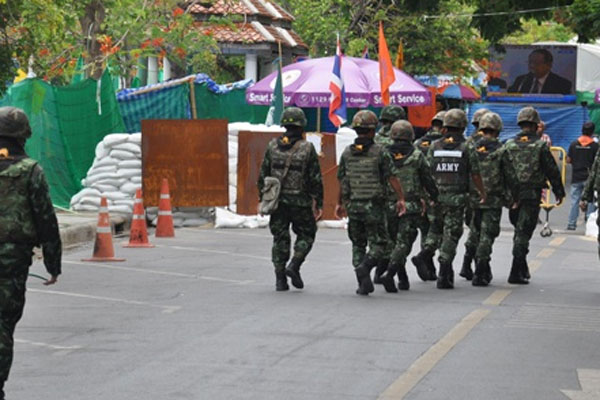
(492, 14)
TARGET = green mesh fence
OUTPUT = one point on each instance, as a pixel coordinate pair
(231, 106)
(66, 126)
(593, 108)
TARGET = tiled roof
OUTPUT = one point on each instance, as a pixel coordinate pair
(251, 33)
(264, 8)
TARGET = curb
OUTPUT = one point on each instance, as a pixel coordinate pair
(77, 234)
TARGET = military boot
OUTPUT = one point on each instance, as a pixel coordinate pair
(516, 273)
(293, 271)
(487, 272)
(525, 268)
(446, 276)
(466, 271)
(382, 266)
(422, 261)
(281, 284)
(480, 276)
(388, 278)
(403, 283)
(363, 273)
(431, 270)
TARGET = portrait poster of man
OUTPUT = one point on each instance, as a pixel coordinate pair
(534, 69)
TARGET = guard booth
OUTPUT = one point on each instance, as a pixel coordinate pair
(193, 155)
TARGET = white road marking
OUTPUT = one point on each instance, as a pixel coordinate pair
(589, 379)
(166, 309)
(150, 271)
(424, 364)
(229, 253)
(50, 346)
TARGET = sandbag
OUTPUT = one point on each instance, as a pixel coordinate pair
(103, 187)
(132, 147)
(90, 201)
(135, 138)
(128, 173)
(115, 139)
(85, 207)
(124, 202)
(87, 192)
(123, 155)
(130, 187)
(100, 177)
(116, 196)
(113, 182)
(130, 164)
(101, 151)
(136, 179)
(106, 161)
(99, 170)
(121, 209)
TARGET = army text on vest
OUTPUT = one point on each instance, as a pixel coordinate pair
(293, 182)
(525, 152)
(16, 218)
(449, 166)
(363, 175)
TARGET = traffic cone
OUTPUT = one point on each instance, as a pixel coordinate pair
(138, 236)
(164, 225)
(103, 246)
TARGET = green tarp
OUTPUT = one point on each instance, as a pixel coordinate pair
(231, 106)
(593, 108)
(67, 123)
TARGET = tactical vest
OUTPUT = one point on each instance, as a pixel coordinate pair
(490, 165)
(363, 175)
(526, 155)
(16, 220)
(408, 168)
(449, 167)
(426, 141)
(293, 183)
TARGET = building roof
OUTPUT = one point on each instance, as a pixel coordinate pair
(254, 33)
(264, 8)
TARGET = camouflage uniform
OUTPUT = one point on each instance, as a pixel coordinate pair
(28, 220)
(302, 186)
(414, 174)
(452, 163)
(363, 171)
(533, 164)
(498, 180)
(593, 185)
(389, 115)
(423, 144)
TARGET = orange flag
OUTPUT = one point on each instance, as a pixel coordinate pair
(400, 56)
(386, 70)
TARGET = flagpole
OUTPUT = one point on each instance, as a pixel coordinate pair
(318, 119)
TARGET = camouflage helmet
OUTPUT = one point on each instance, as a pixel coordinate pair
(402, 130)
(14, 123)
(439, 117)
(528, 114)
(365, 119)
(478, 114)
(491, 120)
(293, 116)
(392, 113)
(455, 118)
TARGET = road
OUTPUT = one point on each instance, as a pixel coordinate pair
(197, 317)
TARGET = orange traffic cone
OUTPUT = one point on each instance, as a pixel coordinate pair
(103, 247)
(164, 226)
(138, 236)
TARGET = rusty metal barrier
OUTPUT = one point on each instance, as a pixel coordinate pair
(193, 155)
(560, 155)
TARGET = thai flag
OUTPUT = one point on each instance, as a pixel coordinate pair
(337, 104)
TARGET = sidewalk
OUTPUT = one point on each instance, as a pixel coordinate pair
(80, 227)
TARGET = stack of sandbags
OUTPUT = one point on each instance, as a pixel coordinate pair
(184, 216)
(116, 174)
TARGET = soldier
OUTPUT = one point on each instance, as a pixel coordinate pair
(389, 115)
(423, 144)
(533, 164)
(466, 271)
(295, 163)
(27, 220)
(414, 174)
(363, 172)
(592, 184)
(452, 162)
(498, 180)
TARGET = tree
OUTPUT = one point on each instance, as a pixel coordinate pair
(584, 18)
(533, 31)
(103, 32)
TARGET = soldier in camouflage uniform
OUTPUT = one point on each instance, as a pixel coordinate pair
(452, 163)
(433, 213)
(301, 197)
(498, 180)
(466, 271)
(364, 170)
(389, 115)
(27, 220)
(534, 165)
(414, 174)
(592, 184)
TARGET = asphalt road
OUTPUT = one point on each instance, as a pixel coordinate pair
(197, 317)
